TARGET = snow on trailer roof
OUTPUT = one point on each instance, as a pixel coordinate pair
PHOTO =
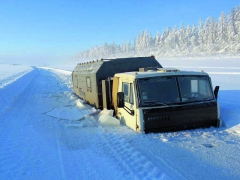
(137, 74)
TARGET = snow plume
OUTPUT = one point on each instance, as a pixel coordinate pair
(209, 38)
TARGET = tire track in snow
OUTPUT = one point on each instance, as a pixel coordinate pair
(13, 137)
(135, 163)
(90, 156)
(22, 124)
(56, 129)
(77, 161)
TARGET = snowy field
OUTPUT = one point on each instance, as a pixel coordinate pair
(46, 132)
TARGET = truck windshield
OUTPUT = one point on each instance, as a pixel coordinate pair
(163, 91)
(195, 88)
(158, 91)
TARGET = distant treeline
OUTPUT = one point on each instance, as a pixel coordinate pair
(209, 38)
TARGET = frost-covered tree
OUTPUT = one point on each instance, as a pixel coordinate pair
(210, 30)
(170, 41)
(201, 32)
(194, 36)
(231, 26)
(147, 40)
(188, 35)
(126, 47)
(182, 36)
(137, 43)
(208, 37)
(175, 34)
(237, 23)
(167, 37)
(222, 28)
(157, 39)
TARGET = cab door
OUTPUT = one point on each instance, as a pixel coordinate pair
(127, 114)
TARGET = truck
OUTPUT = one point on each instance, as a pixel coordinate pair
(147, 97)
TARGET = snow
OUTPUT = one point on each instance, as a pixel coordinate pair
(10, 73)
(106, 120)
(46, 132)
(57, 70)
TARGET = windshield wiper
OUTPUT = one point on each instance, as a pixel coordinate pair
(207, 99)
(156, 102)
(194, 99)
(191, 98)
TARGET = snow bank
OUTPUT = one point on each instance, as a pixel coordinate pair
(9, 91)
(234, 130)
(106, 112)
(57, 70)
(229, 104)
(10, 73)
(80, 103)
(106, 119)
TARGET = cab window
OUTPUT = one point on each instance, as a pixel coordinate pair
(128, 92)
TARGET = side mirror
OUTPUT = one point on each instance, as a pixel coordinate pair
(120, 99)
(216, 91)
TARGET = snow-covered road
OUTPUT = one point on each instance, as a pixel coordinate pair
(38, 142)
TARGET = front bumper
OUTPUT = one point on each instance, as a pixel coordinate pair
(181, 117)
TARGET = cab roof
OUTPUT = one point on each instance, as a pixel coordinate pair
(138, 75)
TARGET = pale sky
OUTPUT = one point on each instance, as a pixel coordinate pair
(46, 31)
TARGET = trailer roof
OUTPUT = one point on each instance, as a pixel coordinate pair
(108, 67)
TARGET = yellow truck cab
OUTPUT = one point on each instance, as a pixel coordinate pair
(166, 100)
